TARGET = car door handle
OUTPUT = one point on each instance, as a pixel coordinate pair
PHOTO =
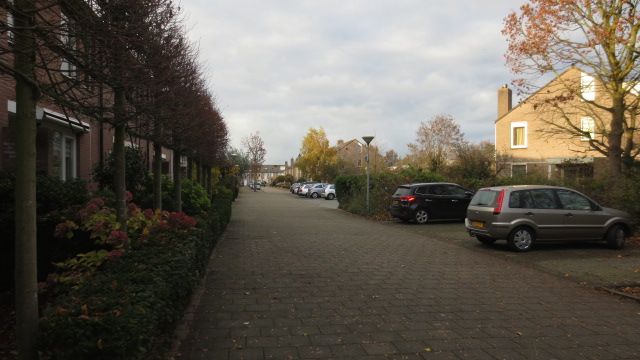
(454, 200)
(529, 213)
(568, 214)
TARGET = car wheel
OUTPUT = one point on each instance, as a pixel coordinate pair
(331, 197)
(422, 216)
(616, 237)
(314, 195)
(521, 239)
(485, 239)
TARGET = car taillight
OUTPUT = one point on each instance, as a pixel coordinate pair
(498, 209)
(407, 198)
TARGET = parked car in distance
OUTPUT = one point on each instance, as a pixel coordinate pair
(294, 187)
(527, 214)
(329, 192)
(298, 189)
(304, 189)
(423, 202)
(256, 186)
(315, 190)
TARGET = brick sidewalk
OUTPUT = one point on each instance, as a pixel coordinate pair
(295, 280)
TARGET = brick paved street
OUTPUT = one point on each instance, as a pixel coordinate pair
(295, 279)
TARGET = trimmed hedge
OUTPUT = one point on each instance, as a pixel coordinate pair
(351, 190)
(127, 307)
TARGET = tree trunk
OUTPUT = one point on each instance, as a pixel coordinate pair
(26, 266)
(615, 139)
(119, 177)
(196, 166)
(177, 179)
(157, 176)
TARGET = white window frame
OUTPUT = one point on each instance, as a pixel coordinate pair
(588, 124)
(526, 167)
(74, 160)
(587, 87)
(519, 124)
(10, 22)
(67, 39)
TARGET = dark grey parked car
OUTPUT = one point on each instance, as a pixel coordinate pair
(526, 214)
(422, 202)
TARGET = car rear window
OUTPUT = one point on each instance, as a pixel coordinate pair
(485, 198)
(402, 191)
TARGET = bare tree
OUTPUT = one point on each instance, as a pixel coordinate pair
(391, 157)
(256, 151)
(436, 141)
(598, 37)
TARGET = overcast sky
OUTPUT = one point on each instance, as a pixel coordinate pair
(355, 68)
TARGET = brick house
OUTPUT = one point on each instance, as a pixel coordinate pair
(527, 142)
(352, 153)
(68, 145)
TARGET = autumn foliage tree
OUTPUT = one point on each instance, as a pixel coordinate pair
(547, 37)
(318, 160)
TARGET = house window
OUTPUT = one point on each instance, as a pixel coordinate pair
(10, 22)
(588, 128)
(68, 40)
(588, 87)
(519, 135)
(518, 170)
(63, 151)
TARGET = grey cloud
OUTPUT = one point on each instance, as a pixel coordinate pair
(354, 68)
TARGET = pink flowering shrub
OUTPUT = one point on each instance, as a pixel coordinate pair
(100, 223)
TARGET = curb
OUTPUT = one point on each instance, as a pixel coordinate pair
(183, 327)
(619, 293)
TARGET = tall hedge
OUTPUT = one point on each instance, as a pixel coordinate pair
(351, 190)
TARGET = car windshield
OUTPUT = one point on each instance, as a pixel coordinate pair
(484, 197)
(402, 191)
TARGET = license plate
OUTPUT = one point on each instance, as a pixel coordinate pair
(396, 202)
(477, 224)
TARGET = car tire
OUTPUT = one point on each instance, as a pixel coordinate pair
(331, 197)
(521, 239)
(485, 239)
(616, 237)
(314, 195)
(421, 216)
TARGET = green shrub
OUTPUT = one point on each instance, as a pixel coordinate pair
(136, 172)
(195, 200)
(56, 199)
(351, 190)
(123, 309)
(127, 299)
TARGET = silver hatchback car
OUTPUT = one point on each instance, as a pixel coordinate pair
(526, 214)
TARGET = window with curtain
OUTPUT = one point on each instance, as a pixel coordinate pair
(519, 135)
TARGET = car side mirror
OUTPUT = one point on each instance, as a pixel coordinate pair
(468, 194)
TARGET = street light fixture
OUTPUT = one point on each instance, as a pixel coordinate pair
(368, 140)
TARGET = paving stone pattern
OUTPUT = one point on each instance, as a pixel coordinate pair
(293, 279)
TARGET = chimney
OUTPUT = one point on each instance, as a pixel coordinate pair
(504, 100)
(340, 142)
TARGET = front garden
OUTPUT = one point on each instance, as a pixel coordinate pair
(109, 290)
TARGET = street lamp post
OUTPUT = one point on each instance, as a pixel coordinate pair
(368, 140)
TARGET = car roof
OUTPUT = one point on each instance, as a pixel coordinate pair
(523, 187)
(423, 184)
